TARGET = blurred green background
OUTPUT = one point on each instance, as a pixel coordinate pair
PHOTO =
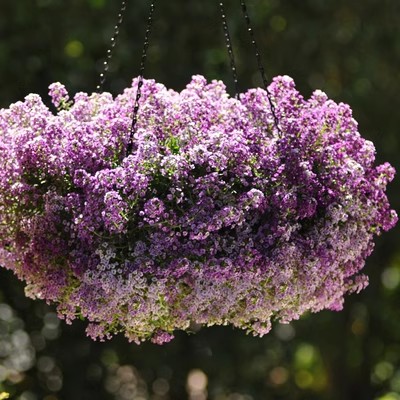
(351, 50)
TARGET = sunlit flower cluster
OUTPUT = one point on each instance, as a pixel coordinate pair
(216, 217)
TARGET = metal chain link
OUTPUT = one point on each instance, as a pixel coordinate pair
(114, 38)
(228, 42)
(259, 62)
(140, 82)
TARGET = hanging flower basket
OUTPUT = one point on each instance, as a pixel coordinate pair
(215, 217)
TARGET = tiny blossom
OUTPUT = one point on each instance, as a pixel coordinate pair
(59, 95)
(216, 217)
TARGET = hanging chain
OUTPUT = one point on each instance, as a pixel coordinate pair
(228, 42)
(140, 82)
(259, 62)
(114, 38)
(144, 57)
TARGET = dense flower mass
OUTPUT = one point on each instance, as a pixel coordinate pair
(215, 218)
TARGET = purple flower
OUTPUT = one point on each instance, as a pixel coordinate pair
(215, 218)
(59, 95)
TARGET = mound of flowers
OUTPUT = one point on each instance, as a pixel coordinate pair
(215, 218)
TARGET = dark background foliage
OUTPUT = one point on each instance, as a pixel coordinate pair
(347, 48)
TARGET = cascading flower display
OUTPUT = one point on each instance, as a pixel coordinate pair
(215, 218)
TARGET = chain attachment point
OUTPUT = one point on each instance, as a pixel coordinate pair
(260, 64)
(140, 82)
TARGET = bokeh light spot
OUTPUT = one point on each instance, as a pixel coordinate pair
(197, 380)
(160, 387)
(197, 385)
(389, 396)
(383, 371)
(391, 278)
(285, 332)
(279, 375)
(97, 3)
(74, 49)
(304, 379)
(278, 23)
(358, 327)
(305, 356)
(27, 395)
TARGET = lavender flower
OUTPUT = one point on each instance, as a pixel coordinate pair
(215, 218)
(59, 95)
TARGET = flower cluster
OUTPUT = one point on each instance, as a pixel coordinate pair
(216, 217)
